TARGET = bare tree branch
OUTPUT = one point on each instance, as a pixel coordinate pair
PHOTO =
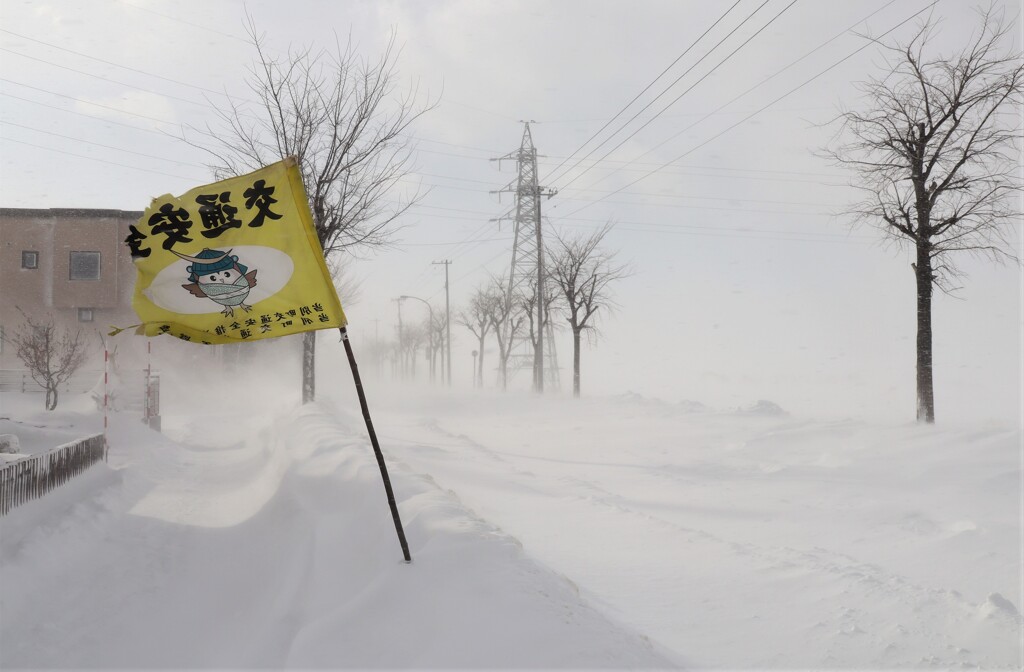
(341, 116)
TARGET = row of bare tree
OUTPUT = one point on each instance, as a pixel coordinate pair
(935, 149)
(578, 278)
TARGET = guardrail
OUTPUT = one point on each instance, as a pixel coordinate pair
(33, 477)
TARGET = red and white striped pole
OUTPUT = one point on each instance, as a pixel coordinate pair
(107, 359)
(149, 374)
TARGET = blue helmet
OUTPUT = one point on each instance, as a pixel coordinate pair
(219, 261)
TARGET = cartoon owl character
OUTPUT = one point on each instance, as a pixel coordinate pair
(219, 277)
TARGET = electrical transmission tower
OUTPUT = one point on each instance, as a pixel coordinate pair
(526, 277)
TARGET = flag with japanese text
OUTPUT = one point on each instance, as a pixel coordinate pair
(233, 261)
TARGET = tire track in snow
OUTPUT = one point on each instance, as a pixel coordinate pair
(867, 615)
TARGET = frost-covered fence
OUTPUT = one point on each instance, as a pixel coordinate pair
(32, 477)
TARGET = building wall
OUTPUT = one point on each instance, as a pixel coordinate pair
(48, 290)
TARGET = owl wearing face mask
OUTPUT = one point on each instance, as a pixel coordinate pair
(218, 276)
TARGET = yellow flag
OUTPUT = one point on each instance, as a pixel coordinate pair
(233, 261)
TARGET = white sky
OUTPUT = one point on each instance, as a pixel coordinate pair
(745, 286)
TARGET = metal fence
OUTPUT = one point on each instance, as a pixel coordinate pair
(33, 477)
(128, 394)
(19, 380)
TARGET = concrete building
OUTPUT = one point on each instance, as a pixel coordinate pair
(72, 265)
(68, 264)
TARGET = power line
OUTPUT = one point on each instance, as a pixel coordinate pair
(752, 88)
(487, 240)
(655, 226)
(677, 116)
(690, 88)
(473, 237)
(678, 169)
(754, 170)
(685, 229)
(108, 79)
(747, 235)
(709, 207)
(92, 158)
(221, 93)
(479, 109)
(657, 205)
(222, 33)
(666, 89)
(756, 112)
(723, 168)
(117, 65)
(632, 193)
(88, 102)
(89, 116)
(97, 144)
(650, 194)
(645, 89)
(743, 234)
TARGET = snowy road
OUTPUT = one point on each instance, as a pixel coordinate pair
(273, 547)
(746, 541)
(545, 534)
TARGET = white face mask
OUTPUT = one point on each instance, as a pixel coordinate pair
(222, 291)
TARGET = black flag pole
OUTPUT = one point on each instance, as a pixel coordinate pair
(376, 445)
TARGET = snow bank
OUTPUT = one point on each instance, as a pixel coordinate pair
(9, 444)
(39, 430)
(278, 550)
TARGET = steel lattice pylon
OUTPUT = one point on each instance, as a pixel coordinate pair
(527, 268)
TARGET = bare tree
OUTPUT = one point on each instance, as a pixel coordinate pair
(438, 327)
(336, 113)
(477, 317)
(51, 355)
(507, 320)
(583, 272)
(349, 286)
(526, 301)
(414, 337)
(934, 152)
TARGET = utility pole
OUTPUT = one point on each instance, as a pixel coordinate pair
(447, 316)
(401, 344)
(528, 246)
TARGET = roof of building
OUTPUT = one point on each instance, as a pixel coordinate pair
(69, 212)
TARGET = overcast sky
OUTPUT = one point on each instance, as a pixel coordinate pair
(746, 284)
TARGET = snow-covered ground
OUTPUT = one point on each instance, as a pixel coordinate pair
(740, 539)
(545, 533)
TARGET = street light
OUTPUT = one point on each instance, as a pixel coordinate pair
(430, 329)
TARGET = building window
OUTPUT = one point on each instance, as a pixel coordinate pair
(85, 266)
(85, 314)
(29, 259)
